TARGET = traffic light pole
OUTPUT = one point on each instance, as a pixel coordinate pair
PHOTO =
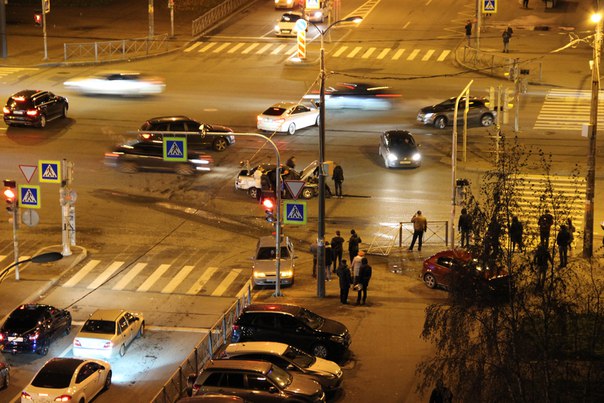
(16, 239)
(44, 30)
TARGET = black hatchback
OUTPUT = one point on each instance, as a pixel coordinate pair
(34, 108)
(32, 327)
(293, 325)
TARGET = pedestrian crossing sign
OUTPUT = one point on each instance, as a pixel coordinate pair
(49, 171)
(489, 6)
(294, 212)
(29, 196)
(175, 149)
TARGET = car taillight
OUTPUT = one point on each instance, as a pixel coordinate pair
(32, 112)
(111, 155)
(34, 336)
(25, 395)
(1, 336)
(5, 110)
(63, 398)
(146, 136)
(108, 345)
(195, 389)
(77, 343)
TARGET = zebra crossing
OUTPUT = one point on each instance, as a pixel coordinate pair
(8, 71)
(342, 51)
(567, 110)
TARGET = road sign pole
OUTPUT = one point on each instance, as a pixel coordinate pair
(64, 195)
(16, 238)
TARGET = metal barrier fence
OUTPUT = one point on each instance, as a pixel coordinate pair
(208, 20)
(402, 233)
(498, 65)
(123, 49)
(217, 336)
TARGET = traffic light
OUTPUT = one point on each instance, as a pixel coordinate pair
(10, 194)
(269, 202)
(38, 18)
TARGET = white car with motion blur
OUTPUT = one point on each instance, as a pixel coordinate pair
(287, 117)
(117, 83)
(287, 24)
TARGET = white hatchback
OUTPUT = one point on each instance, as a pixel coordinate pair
(288, 117)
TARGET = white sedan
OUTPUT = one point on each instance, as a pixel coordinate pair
(108, 332)
(68, 380)
(288, 117)
(287, 25)
(117, 83)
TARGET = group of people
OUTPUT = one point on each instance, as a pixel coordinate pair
(337, 175)
(506, 35)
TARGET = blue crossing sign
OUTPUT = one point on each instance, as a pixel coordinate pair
(49, 171)
(489, 6)
(175, 149)
(29, 196)
(294, 212)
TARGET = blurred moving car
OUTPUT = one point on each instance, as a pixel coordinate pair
(292, 325)
(286, 25)
(327, 373)
(32, 327)
(399, 149)
(135, 155)
(200, 136)
(117, 83)
(107, 332)
(34, 108)
(4, 373)
(356, 96)
(289, 4)
(212, 398)
(256, 381)
(250, 179)
(68, 380)
(319, 13)
(287, 117)
(441, 115)
(264, 269)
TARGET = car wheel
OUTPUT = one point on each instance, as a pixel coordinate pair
(291, 129)
(430, 280)
(253, 193)
(319, 350)
(141, 331)
(128, 167)
(318, 121)
(308, 193)
(108, 380)
(440, 122)
(67, 329)
(42, 123)
(486, 119)
(122, 350)
(220, 144)
(185, 169)
(44, 349)
(64, 113)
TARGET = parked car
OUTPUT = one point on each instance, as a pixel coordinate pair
(288, 117)
(4, 373)
(327, 373)
(32, 327)
(286, 25)
(108, 332)
(441, 115)
(34, 108)
(365, 96)
(68, 380)
(292, 325)
(212, 398)
(399, 149)
(256, 381)
(200, 136)
(120, 83)
(264, 269)
(135, 155)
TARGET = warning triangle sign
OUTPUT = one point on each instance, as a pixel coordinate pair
(175, 150)
(295, 187)
(295, 214)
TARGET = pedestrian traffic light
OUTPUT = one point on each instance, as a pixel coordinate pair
(268, 203)
(10, 194)
(38, 18)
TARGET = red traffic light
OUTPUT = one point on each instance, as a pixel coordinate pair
(9, 195)
(38, 18)
(269, 204)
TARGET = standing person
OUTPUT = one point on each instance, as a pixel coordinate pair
(420, 225)
(363, 278)
(506, 35)
(441, 394)
(355, 265)
(353, 244)
(338, 178)
(542, 261)
(291, 162)
(345, 277)
(545, 224)
(337, 247)
(525, 3)
(468, 28)
(328, 260)
(464, 226)
(571, 229)
(313, 251)
(563, 241)
(516, 234)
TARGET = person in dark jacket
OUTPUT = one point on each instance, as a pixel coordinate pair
(516, 234)
(545, 224)
(353, 244)
(345, 277)
(338, 178)
(441, 394)
(563, 240)
(464, 226)
(291, 163)
(337, 247)
(542, 260)
(328, 260)
(364, 276)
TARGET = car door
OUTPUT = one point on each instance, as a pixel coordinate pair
(304, 116)
(124, 332)
(295, 332)
(88, 380)
(133, 326)
(56, 322)
(263, 327)
(198, 140)
(55, 105)
(475, 111)
(259, 389)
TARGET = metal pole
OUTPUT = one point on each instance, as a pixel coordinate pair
(16, 238)
(321, 229)
(151, 19)
(171, 20)
(588, 234)
(478, 23)
(44, 31)
(3, 44)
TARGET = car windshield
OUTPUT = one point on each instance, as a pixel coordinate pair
(99, 326)
(268, 253)
(290, 17)
(311, 319)
(23, 320)
(279, 376)
(53, 377)
(301, 358)
(274, 111)
(402, 140)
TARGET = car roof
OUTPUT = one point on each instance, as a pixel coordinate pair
(284, 105)
(257, 347)
(28, 93)
(168, 118)
(246, 365)
(269, 240)
(106, 314)
(289, 308)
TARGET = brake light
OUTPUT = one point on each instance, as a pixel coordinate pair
(1, 337)
(25, 395)
(32, 112)
(63, 398)
(112, 155)
(146, 136)
(108, 345)
(34, 336)
(5, 110)
(77, 343)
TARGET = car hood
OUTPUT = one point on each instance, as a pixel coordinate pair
(401, 149)
(304, 386)
(324, 366)
(334, 327)
(219, 129)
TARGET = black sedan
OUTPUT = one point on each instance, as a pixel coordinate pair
(442, 115)
(356, 96)
(34, 108)
(32, 327)
(399, 149)
(138, 155)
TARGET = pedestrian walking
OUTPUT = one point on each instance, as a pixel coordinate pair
(420, 225)
(525, 3)
(563, 241)
(441, 394)
(313, 250)
(338, 178)
(337, 247)
(507, 35)
(355, 265)
(545, 224)
(328, 260)
(571, 230)
(353, 244)
(464, 226)
(542, 260)
(345, 278)
(468, 28)
(516, 230)
(363, 278)
(291, 162)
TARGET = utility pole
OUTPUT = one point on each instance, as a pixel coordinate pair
(3, 45)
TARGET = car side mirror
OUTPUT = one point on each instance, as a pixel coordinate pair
(273, 389)
(203, 129)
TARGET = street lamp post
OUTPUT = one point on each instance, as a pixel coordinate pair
(41, 258)
(322, 173)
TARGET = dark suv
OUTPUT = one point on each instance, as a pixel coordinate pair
(441, 115)
(34, 108)
(293, 325)
(31, 328)
(199, 135)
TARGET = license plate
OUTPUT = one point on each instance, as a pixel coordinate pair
(15, 339)
(18, 112)
(286, 31)
(405, 162)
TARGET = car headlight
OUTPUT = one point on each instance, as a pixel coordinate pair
(259, 275)
(392, 157)
(428, 115)
(287, 273)
(416, 157)
(337, 339)
(277, 29)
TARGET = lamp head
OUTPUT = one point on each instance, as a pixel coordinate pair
(355, 18)
(596, 18)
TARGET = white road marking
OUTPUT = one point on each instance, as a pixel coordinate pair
(82, 273)
(224, 284)
(202, 280)
(129, 276)
(179, 278)
(156, 275)
(113, 267)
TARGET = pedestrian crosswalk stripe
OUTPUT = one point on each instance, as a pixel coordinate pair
(443, 55)
(368, 53)
(354, 52)
(176, 280)
(221, 47)
(201, 281)
(109, 271)
(565, 109)
(193, 46)
(249, 48)
(81, 273)
(278, 49)
(264, 48)
(292, 50)
(156, 275)
(129, 276)
(236, 47)
(398, 54)
(224, 284)
(413, 54)
(428, 55)
(340, 51)
(383, 53)
(207, 47)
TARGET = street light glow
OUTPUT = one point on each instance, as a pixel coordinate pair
(596, 17)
